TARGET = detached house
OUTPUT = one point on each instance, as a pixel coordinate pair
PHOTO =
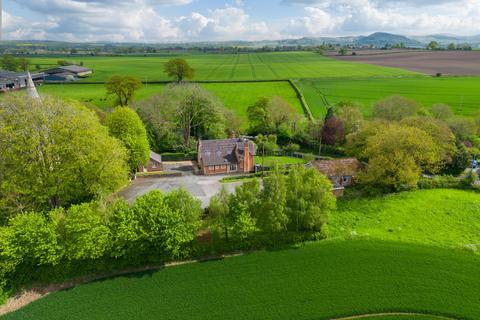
(226, 156)
(341, 172)
(154, 164)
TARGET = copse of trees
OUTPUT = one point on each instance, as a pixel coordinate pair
(123, 88)
(54, 153)
(90, 236)
(299, 201)
(395, 108)
(181, 115)
(125, 124)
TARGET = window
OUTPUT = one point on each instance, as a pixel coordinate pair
(347, 180)
(233, 167)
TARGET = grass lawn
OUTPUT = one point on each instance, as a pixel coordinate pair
(272, 160)
(254, 66)
(235, 96)
(438, 217)
(461, 93)
(322, 280)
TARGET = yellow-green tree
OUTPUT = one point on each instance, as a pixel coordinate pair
(123, 88)
(179, 69)
(397, 155)
(55, 153)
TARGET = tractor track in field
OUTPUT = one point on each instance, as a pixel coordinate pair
(394, 314)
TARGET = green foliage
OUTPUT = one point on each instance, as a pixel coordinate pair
(326, 280)
(125, 124)
(54, 154)
(396, 157)
(179, 69)
(272, 216)
(123, 88)
(181, 112)
(441, 111)
(9, 63)
(23, 64)
(351, 116)
(462, 127)
(266, 144)
(395, 108)
(84, 233)
(433, 45)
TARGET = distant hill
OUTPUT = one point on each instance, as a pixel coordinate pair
(383, 39)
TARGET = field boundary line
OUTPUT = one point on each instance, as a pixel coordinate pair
(303, 101)
(383, 314)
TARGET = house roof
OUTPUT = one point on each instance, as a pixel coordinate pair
(218, 152)
(155, 157)
(347, 166)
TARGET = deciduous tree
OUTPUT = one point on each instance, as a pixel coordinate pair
(395, 108)
(179, 69)
(125, 124)
(123, 88)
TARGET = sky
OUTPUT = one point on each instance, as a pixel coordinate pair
(157, 21)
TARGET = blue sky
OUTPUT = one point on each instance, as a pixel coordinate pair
(216, 20)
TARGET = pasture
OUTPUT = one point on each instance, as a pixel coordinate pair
(438, 217)
(461, 93)
(323, 280)
(227, 67)
(235, 96)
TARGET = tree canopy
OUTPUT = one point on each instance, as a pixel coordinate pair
(125, 124)
(179, 69)
(55, 153)
(123, 88)
(395, 108)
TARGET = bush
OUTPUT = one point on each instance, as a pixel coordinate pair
(180, 156)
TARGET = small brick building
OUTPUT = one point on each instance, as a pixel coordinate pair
(154, 163)
(226, 156)
(341, 172)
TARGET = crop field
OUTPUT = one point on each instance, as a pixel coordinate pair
(257, 66)
(439, 217)
(235, 96)
(322, 280)
(461, 93)
(429, 62)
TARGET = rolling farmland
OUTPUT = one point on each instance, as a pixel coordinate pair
(461, 93)
(322, 280)
(228, 67)
(235, 96)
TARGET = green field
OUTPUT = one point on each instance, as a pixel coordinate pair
(461, 93)
(439, 217)
(235, 96)
(270, 161)
(256, 66)
(321, 280)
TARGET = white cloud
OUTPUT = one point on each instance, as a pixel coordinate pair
(328, 17)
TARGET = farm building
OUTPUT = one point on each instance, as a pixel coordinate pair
(226, 156)
(10, 80)
(67, 73)
(154, 164)
(341, 172)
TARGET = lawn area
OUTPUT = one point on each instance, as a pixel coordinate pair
(322, 280)
(461, 93)
(271, 160)
(235, 96)
(438, 217)
(254, 66)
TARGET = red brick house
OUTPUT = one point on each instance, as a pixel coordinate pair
(154, 163)
(341, 172)
(226, 156)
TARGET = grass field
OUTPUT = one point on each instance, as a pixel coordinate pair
(321, 280)
(257, 66)
(270, 161)
(235, 96)
(438, 217)
(461, 93)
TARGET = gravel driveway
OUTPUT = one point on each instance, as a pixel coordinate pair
(201, 187)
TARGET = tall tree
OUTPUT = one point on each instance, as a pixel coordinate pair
(272, 216)
(259, 117)
(123, 87)
(53, 154)
(333, 131)
(9, 63)
(395, 108)
(125, 124)
(23, 64)
(179, 69)
(219, 212)
(351, 116)
(309, 199)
